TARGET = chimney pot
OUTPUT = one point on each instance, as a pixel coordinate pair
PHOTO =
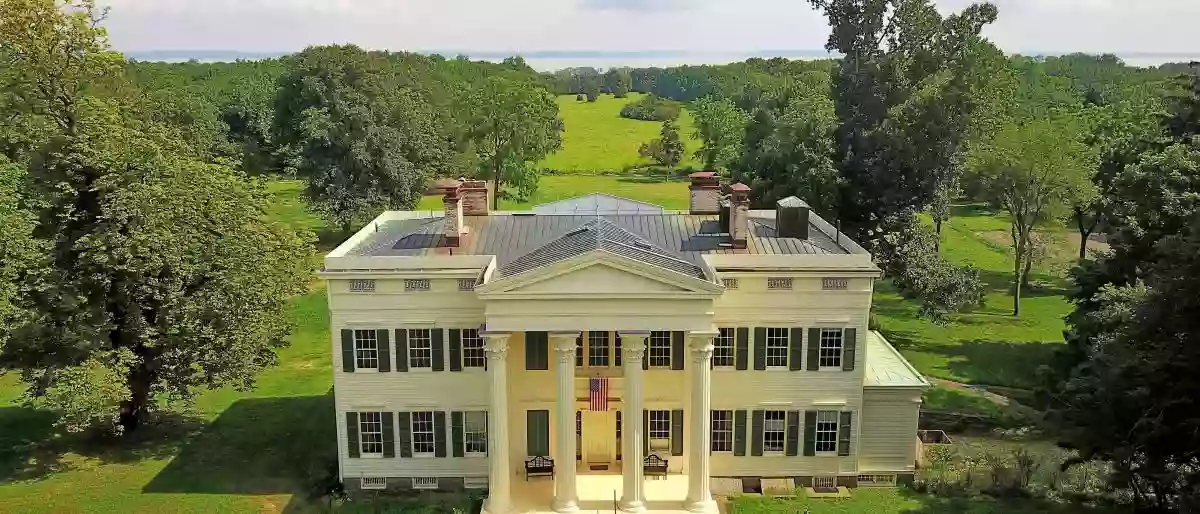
(452, 201)
(739, 215)
(475, 197)
(705, 193)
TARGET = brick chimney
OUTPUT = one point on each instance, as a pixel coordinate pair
(706, 193)
(474, 197)
(739, 215)
(453, 220)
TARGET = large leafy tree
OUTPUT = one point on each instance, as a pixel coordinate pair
(1035, 171)
(667, 149)
(618, 82)
(514, 124)
(363, 140)
(721, 126)
(161, 273)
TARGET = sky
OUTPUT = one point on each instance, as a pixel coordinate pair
(1024, 26)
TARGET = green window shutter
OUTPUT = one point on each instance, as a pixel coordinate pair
(792, 442)
(437, 339)
(404, 433)
(849, 344)
(389, 434)
(456, 434)
(455, 349)
(739, 433)
(844, 432)
(352, 448)
(439, 433)
(810, 433)
(579, 351)
(385, 350)
(757, 421)
(617, 350)
(347, 350)
(760, 348)
(537, 351)
(537, 436)
(401, 349)
(796, 349)
(645, 433)
(814, 349)
(677, 351)
(741, 350)
(677, 433)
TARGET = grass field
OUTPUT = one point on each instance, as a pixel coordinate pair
(598, 139)
(897, 501)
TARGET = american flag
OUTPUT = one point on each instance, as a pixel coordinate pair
(598, 394)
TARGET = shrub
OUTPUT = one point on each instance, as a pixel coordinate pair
(580, 98)
(651, 108)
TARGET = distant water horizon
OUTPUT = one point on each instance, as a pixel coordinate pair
(552, 60)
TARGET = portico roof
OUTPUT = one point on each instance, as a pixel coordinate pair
(599, 234)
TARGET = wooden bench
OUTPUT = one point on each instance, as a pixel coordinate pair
(539, 466)
(654, 466)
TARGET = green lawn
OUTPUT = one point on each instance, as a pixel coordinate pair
(897, 501)
(670, 193)
(598, 139)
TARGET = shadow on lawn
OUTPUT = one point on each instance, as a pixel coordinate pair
(985, 361)
(987, 505)
(1041, 283)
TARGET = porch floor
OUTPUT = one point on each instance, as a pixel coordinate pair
(597, 491)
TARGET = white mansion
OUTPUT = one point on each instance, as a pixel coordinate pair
(600, 350)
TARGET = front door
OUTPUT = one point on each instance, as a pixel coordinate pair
(599, 434)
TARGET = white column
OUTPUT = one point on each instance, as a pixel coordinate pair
(499, 499)
(565, 497)
(699, 498)
(633, 498)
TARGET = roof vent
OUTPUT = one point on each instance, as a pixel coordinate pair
(791, 218)
(642, 244)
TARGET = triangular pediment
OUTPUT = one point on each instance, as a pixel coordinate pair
(599, 272)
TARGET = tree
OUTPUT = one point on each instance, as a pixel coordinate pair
(792, 154)
(911, 260)
(514, 124)
(618, 81)
(362, 140)
(939, 207)
(667, 149)
(721, 125)
(591, 86)
(159, 270)
(1034, 170)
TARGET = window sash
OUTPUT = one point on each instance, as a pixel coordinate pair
(370, 433)
(420, 348)
(831, 348)
(660, 429)
(366, 349)
(423, 433)
(472, 348)
(774, 431)
(660, 349)
(777, 347)
(598, 354)
(722, 431)
(827, 431)
(723, 348)
(475, 433)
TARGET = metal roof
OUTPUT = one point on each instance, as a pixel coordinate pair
(598, 203)
(599, 234)
(885, 367)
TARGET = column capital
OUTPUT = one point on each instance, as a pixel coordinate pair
(497, 344)
(565, 348)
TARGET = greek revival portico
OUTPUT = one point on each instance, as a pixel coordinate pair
(503, 464)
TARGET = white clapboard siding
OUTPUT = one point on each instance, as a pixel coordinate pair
(889, 431)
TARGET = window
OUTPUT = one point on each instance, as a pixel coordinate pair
(831, 348)
(472, 347)
(366, 349)
(660, 430)
(834, 283)
(422, 433)
(827, 431)
(722, 430)
(730, 283)
(597, 348)
(416, 284)
(777, 347)
(372, 483)
(466, 284)
(362, 286)
(660, 349)
(876, 480)
(420, 348)
(824, 482)
(370, 434)
(425, 483)
(774, 427)
(779, 284)
(723, 348)
(475, 433)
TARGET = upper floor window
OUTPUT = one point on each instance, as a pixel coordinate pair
(827, 431)
(422, 433)
(420, 348)
(370, 434)
(723, 349)
(660, 349)
(362, 286)
(831, 348)
(777, 347)
(416, 284)
(834, 283)
(472, 347)
(466, 284)
(598, 349)
(730, 283)
(366, 350)
(779, 284)
(774, 430)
